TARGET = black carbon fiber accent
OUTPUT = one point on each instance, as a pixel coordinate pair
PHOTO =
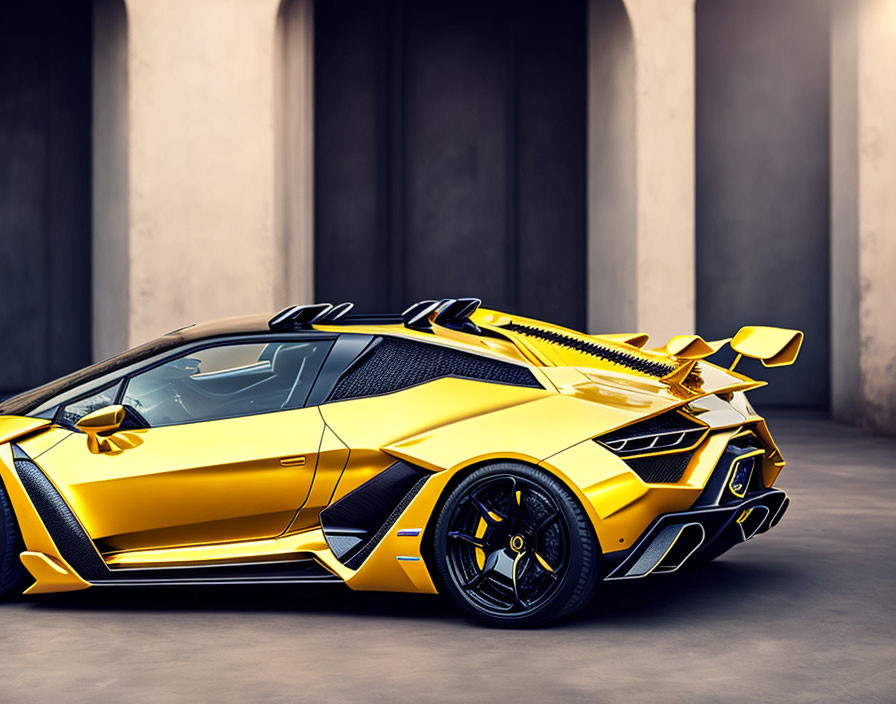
(275, 571)
(716, 492)
(69, 536)
(367, 513)
(668, 422)
(661, 469)
(397, 364)
(358, 558)
(609, 354)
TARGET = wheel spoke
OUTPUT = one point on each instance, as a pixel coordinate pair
(491, 562)
(516, 588)
(472, 540)
(506, 517)
(546, 521)
(545, 566)
(484, 511)
(513, 502)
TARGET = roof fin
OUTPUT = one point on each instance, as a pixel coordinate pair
(456, 314)
(334, 314)
(416, 316)
(298, 317)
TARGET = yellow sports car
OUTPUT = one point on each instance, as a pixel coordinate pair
(506, 462)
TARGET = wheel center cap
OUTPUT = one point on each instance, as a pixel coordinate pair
(517, 543)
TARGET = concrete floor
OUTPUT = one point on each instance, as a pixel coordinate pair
(804, 613)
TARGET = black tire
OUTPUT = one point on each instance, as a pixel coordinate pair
(513, 547)
(12, 574)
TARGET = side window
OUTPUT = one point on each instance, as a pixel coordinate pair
(76, 410)
(227, 381)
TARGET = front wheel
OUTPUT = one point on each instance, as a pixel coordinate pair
(12, 574)
(513, 547)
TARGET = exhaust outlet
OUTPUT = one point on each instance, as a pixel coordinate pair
(779, 514)
(689, 539)
(668, 551)
(751, 520)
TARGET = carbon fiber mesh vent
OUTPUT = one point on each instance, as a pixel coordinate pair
(396, 364)
(68, 534)
(661, 469)
(358, 558)
(609, 354)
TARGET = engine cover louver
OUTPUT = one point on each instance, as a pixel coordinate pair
(606, 353)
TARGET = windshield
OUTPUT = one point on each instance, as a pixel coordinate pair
(28, 401)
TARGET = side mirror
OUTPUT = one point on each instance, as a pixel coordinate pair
(101, 429)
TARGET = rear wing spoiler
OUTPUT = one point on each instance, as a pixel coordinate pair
(774, 347)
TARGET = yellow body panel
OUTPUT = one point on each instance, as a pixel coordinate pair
(251, 489)
(50, 575)
(13, 427)
(215, 481)
(37, 444)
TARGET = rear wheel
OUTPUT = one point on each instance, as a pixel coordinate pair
(513, 547)
(12, 574)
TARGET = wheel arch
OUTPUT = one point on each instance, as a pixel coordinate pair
(465, 470)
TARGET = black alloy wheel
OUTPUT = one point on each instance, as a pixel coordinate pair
(514, 547)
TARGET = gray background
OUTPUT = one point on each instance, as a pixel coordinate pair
(402, 213)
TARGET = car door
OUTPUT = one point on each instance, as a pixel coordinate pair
(229, 452)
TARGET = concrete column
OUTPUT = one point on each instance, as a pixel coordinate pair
(664, 80)
(294, 75)
(864, 213)
(612, 190)
(111, 261)
(845, 337)
(641, 196)
(201, 239)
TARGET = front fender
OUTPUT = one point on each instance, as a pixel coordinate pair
(12, 427)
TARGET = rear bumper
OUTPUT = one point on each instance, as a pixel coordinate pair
(676, 538)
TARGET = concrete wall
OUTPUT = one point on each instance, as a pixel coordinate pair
(200, 197)
(612, 187)
(664, 134)
(111, 180)
(864, 223)
(762, 181)
(203, 192)
(294, 152)
(641, 167)
(45, 171)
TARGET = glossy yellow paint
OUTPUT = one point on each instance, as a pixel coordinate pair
(50, 575)
(190, 484)
(252, 488)
(331, 460)
(12, 427)
(38, 443)
(775, 347)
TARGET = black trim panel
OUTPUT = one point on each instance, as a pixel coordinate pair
(67, 532)
(276, 571)
(354, 525)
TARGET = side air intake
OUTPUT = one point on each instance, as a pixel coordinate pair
(395, 364)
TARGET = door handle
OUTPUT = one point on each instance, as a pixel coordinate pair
(296, 461)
